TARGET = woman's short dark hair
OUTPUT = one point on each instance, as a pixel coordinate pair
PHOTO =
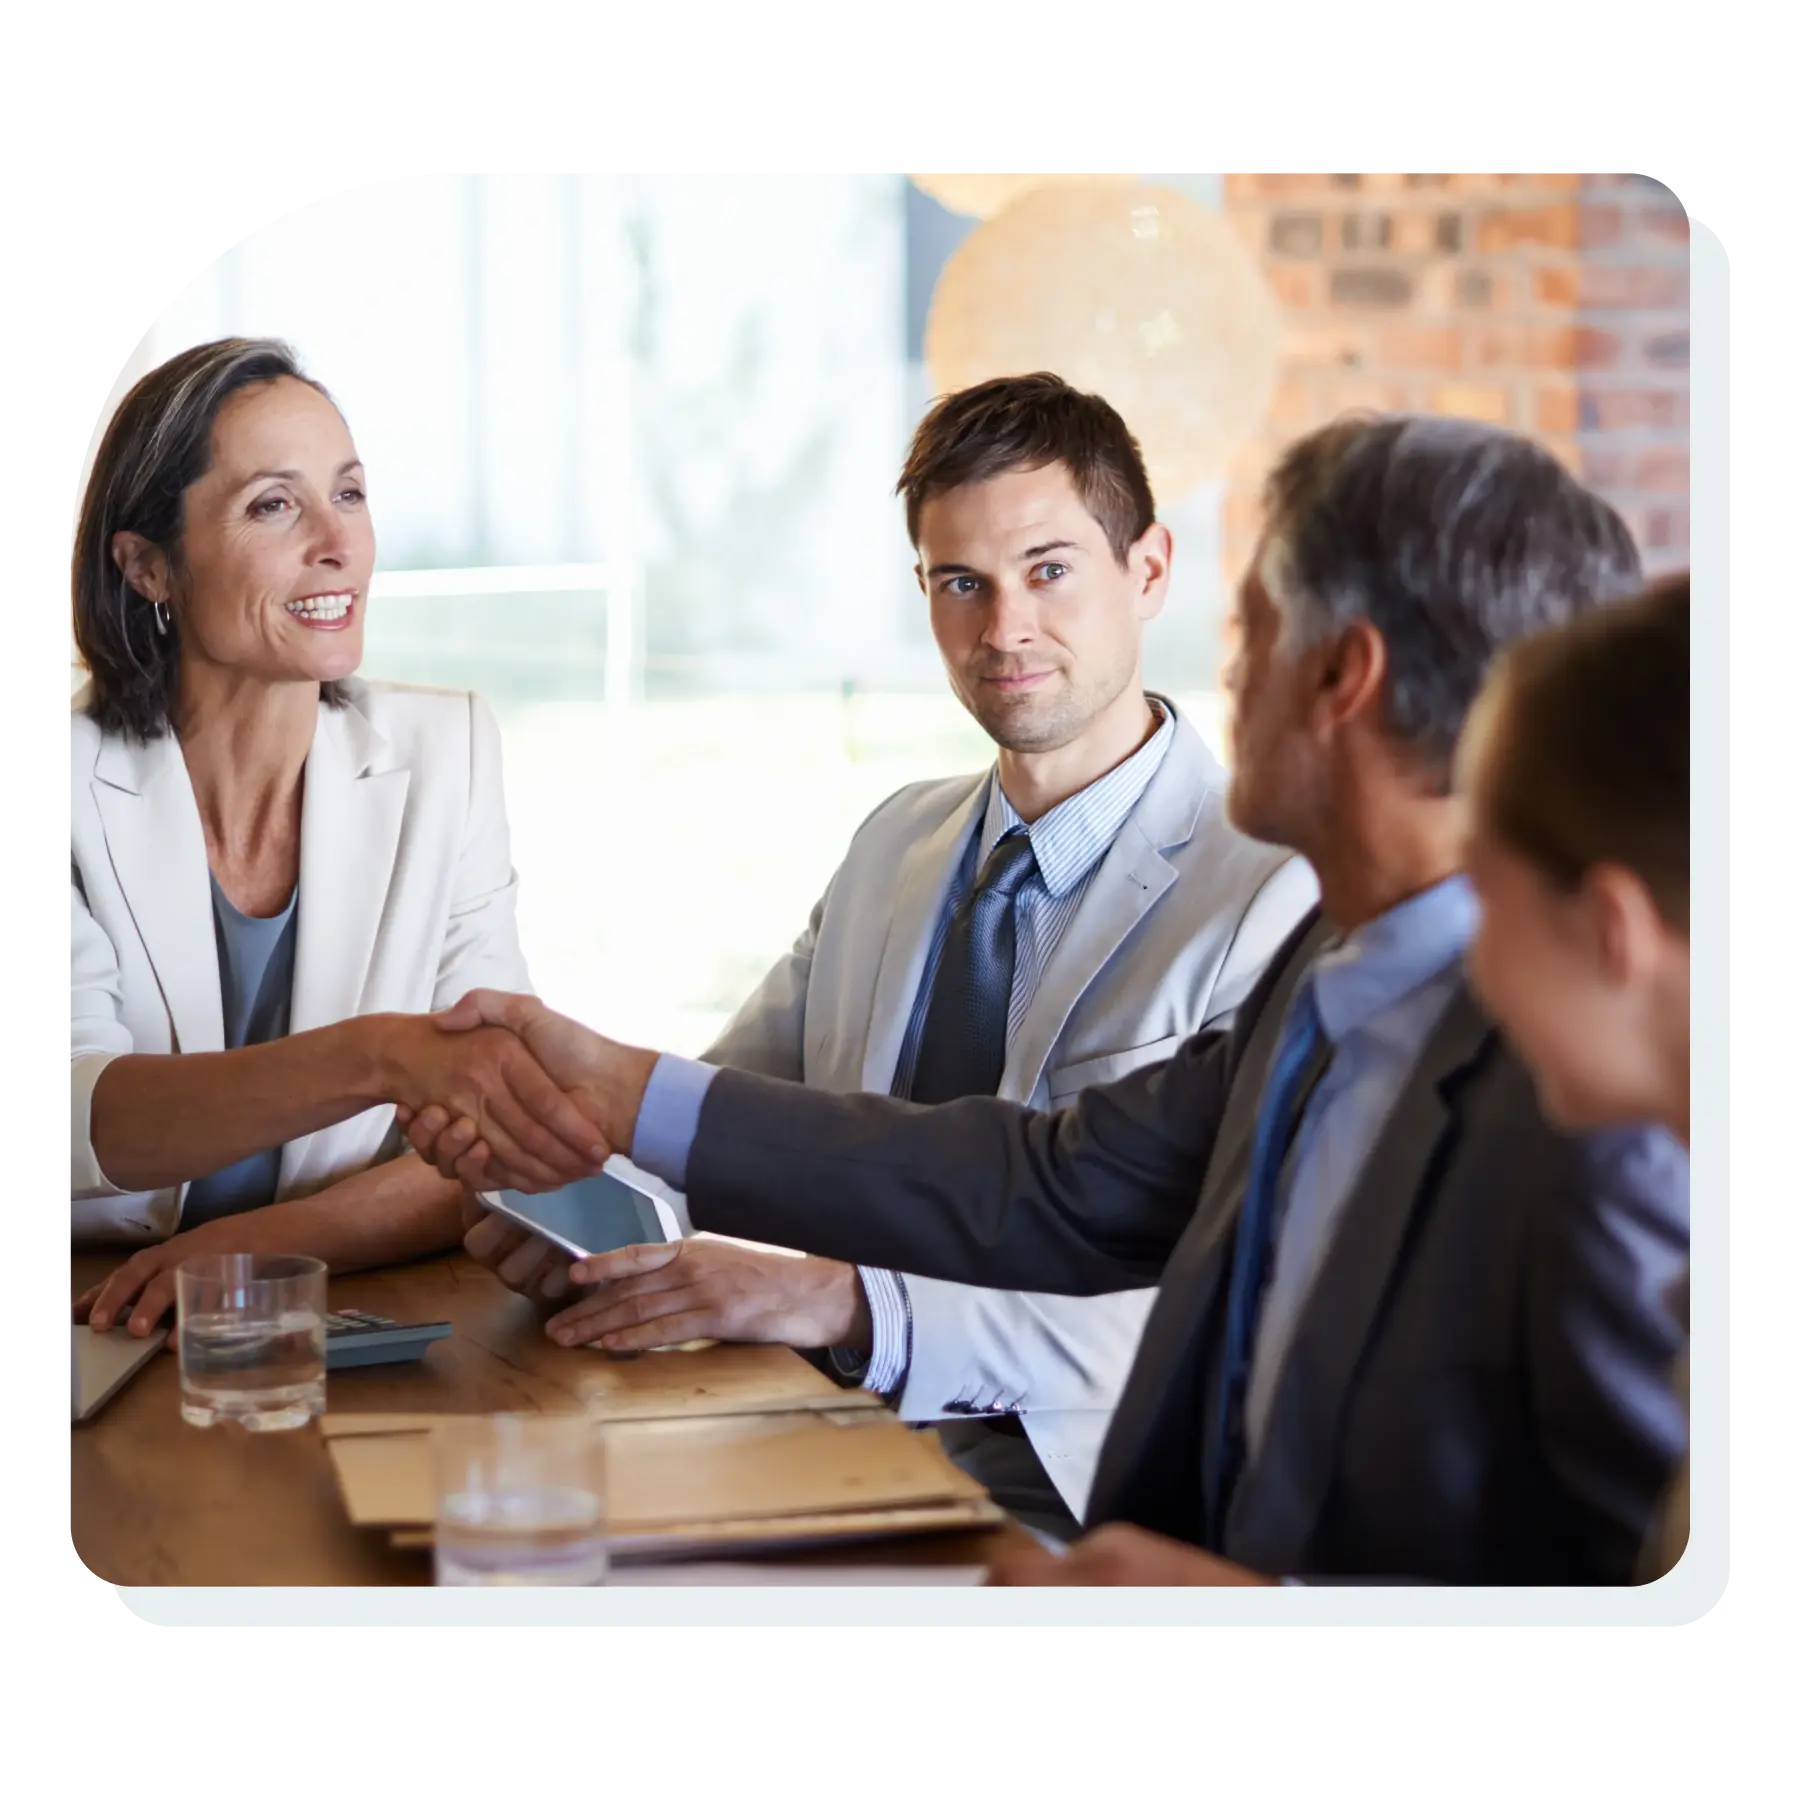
(1587, 758)
(1028, 422)
(156, 446)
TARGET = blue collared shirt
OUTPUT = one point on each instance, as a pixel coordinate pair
(1068, 843)
(1380, 992)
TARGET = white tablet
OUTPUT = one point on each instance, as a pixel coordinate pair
(598, 1213)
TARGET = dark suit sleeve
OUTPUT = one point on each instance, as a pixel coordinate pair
(1084, 1201)
(1601, 1339)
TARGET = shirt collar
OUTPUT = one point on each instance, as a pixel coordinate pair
(1073, 836)
(1392, 957)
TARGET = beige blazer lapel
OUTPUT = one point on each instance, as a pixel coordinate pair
(158, 852)
(1133, 875)
(921, 880)
(350, 819)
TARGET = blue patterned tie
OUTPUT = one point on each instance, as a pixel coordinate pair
(963, 1047)
(1296, 1066)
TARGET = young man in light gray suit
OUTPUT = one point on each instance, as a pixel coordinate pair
(1138, 916)
(1405, 1330)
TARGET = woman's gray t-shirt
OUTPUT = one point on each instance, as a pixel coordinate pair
(256, 986)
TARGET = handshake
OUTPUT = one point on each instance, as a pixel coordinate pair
(501, 1092)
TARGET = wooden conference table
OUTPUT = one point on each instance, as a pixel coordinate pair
(159, 1503)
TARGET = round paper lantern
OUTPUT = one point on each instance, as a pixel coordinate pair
(1137, 294)
(982, 196)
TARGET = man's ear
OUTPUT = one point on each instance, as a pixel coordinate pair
(1149, 560)
(1353, 669)
(1624, 917)
(143, 565)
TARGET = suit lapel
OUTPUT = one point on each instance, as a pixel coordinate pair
(1150, 1465)
(1279, 1501)
(158, 852)
(350, 818)
(1133, 875)
(922, 878)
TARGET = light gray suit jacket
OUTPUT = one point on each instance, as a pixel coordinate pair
(1172, 933)
(1477, 1390)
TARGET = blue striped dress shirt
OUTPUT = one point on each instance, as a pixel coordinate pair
(1068, 843)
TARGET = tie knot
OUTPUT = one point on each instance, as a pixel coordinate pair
(1011, 863)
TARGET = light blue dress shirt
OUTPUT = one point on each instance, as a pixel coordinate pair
(1068, 843)
(1380, 992)
(256, 986)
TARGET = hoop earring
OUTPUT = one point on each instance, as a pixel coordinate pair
(162, 617)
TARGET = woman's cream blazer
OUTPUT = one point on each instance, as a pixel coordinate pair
(407, 897)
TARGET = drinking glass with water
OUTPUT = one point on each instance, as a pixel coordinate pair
(251, 1333)
(521, 1502)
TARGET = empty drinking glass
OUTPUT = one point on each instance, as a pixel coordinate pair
(521, 1502)
(251, 1333)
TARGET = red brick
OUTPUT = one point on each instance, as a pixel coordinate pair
(1364, 231)
(1629, 409)
(1557, 410)
(1602, 468)
(1365, 393)
(1324, 345)
(1493, 404)
(1411, 233)
(1600, 226)
(1606, 288)
(1514, 345)
(1299, 286)
(1296, 234)
(1667, 224)
(1595, 349)
(1281, 186)
(1423, 347)
(1558, 285)
(1371, 287)
(1661, 472)
(1509, 229)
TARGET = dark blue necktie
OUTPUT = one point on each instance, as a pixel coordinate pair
(963, 1046)
(1295, 1068)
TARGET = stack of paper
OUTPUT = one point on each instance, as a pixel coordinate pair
(803, 1475)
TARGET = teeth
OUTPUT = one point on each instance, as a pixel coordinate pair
(322, 606)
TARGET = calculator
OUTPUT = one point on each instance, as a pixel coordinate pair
(355, 1339)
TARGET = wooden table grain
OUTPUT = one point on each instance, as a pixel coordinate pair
(157, 1502)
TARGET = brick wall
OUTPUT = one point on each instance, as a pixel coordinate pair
(1555, 304)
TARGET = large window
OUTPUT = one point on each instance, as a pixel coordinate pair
(632, 445)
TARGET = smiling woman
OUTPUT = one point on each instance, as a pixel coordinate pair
(249, 945)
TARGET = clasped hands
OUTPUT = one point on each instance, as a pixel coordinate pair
(553, 1114)
(490, 1117)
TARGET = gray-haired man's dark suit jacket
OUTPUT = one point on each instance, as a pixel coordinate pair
(1478, 1389)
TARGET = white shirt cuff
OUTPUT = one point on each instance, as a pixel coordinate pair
(891, 1332)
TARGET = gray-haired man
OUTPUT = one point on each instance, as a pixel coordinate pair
(1404, 1329)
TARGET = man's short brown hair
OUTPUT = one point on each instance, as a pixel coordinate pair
(1028, 422)
(1590, 762)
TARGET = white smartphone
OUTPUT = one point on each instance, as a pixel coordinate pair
(599, 1212)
